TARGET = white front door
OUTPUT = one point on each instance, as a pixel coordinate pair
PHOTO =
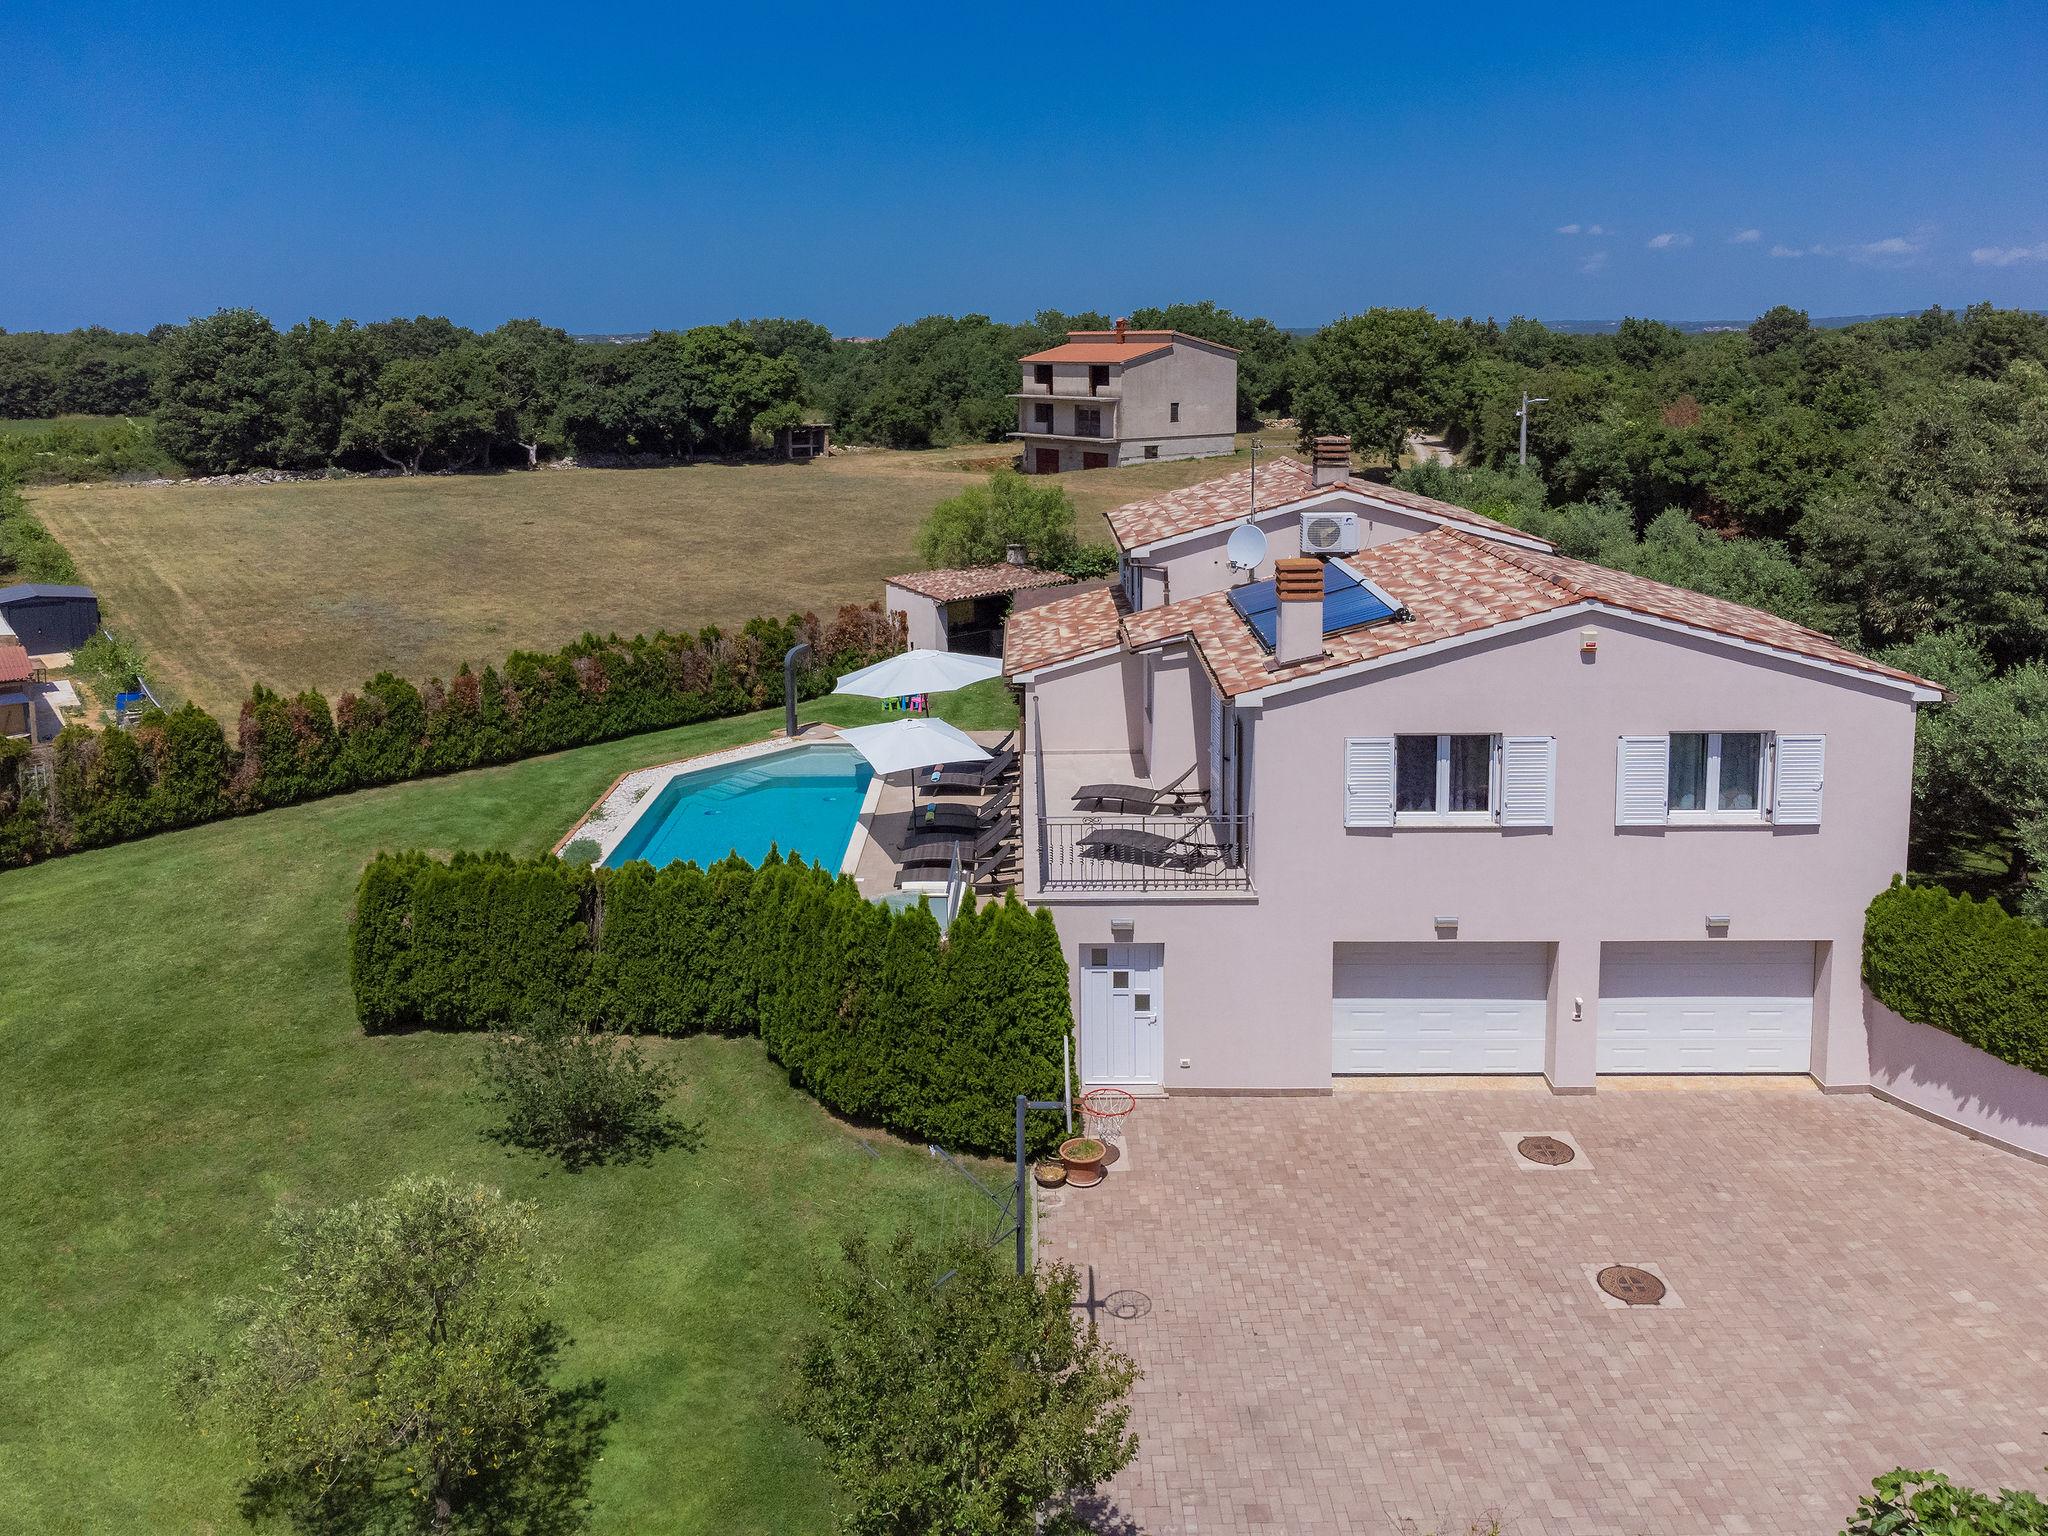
(1120, 1013)
(1443, 1007)
(1711, 1005)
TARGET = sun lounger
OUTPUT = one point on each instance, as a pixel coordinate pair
(1133, 845)
(972, 777)
(937, 852)
(958, 818)
(1136, 799)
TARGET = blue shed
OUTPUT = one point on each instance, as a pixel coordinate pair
(50, 618)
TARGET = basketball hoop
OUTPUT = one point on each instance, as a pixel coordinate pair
(1103, 1114)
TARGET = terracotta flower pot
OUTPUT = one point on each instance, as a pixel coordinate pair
(1083, 1156)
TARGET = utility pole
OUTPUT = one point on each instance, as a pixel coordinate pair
(1523, 416)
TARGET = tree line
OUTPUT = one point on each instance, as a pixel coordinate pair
(230, 391)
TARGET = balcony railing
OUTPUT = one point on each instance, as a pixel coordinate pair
(1075, 391)
(1145, 853)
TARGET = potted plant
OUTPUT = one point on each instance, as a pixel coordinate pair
(1083, 1156)
(1050, 1172)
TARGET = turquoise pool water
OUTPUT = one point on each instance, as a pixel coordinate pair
(806, 800)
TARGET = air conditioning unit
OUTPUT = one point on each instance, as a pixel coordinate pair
(1329, 533)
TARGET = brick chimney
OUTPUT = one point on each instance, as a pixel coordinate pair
(1329, 460)
(1299, 636)
(1123, 323)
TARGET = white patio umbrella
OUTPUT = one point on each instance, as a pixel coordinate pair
(918, 742)
(919, 672)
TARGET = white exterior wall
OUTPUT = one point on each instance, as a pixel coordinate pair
(1199, 566)
(924, 619)
(1248, 980)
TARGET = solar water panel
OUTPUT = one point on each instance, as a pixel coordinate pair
(1347, 604)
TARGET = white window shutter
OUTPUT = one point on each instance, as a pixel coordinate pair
(1215, 775)
(1642, 781)
(1796, 780)
(1528, 781)
(1369, 781)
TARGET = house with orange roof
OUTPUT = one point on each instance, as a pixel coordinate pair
(1105, 399)
(1341, 781)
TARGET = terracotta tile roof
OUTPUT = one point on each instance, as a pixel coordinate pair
(1109, 347)
(1208, 503)
(1099, 352)
(1455, 583)
(1062, 629)
(1639, 594)
(1281, 481)
(14, 664)
(951, 586)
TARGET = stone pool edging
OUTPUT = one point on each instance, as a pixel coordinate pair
(613, 813)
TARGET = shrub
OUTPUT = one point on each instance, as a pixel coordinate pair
(951, 1394)
(580, 1095)
(1963, 966)
(111, 664)
(1905, 1503)
(868, 1010)
(583, 851)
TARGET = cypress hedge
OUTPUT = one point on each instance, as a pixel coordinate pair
(872, 1012)
(180, 768)
(1963, 966)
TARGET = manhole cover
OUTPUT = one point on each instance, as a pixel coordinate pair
(1637, 1287)
(1127, 1305)
(1547, 1150)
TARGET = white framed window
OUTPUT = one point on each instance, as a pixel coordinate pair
(1443, 779)
(1717, 776)
(1450, 781)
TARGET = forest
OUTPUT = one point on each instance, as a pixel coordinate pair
(1885, 482)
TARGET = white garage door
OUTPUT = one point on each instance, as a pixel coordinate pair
(1443, 1007)
(1706, 1007)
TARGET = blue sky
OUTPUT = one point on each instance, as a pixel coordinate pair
(614, 169)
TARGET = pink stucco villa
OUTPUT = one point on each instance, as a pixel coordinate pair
(1435, 799)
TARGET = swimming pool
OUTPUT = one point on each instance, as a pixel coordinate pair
(804, 800)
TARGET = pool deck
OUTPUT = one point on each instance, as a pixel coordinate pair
(870, 857)
(882, 824)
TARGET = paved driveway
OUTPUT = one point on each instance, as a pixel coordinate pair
(1362, 1310)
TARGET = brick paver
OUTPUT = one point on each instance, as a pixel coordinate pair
(1358, 1312)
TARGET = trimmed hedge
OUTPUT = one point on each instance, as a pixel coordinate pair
(1963, 966)
(179, 769)
(867, 1009)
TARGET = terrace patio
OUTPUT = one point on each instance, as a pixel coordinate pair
(1103, 827)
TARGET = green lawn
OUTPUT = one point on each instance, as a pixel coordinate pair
(180, 1055)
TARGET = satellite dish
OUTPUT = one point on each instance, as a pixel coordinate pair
(1246, 549)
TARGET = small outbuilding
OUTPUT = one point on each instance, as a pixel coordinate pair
(18, 689)
(805, 440)
(963, 609)
(47, 618)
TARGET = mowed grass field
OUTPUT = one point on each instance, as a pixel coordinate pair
(325, 583)
(181, 1055)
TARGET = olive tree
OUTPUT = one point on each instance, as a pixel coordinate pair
(953, 1396)
(395, 1374)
